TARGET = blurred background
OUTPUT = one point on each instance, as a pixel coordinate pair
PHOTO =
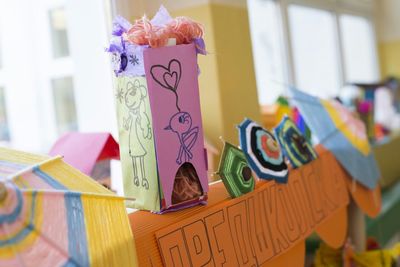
(55, 76)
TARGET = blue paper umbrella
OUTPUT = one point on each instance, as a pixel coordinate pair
(294, 145)
(341, 133)
(262, 152)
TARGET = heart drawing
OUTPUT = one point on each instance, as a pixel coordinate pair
(168, 77)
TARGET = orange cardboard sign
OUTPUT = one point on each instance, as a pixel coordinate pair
(369, 201)
(265, 227)
(259, 226)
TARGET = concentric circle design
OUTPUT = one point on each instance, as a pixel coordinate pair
(20, 217)
(294, 145)
(11, 205)
(235, 172)
(262, 152)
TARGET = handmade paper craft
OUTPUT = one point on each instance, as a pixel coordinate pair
(53, 215)
(177, 125)
(262, 152)
(340, 132)
(235, 172)
(301, 124)
(137, 142)
(161, 133)
(261, 228)
(90, 153)
(294, 145)
(83, 150)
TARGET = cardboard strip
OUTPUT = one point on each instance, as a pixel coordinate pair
(254, 229)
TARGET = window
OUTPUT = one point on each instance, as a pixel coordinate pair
(314, 45)
(53, 79)
(64, 105)
(359, 49)
(4, 130)
(267, 49)
(315, 59)
(58, 31)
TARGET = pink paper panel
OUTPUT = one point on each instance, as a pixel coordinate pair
(171, 74)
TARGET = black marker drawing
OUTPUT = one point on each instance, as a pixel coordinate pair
(180, 122)
(138, 125)
(133, 60)
(168, 77)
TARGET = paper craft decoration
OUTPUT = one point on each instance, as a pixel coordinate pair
(301, 124)
(340, 132)
(88, 152)
(136, 137)
(294, 145)
(160, 129)
(260, 228)
(235, 172)
(53, 215)
(262, 152)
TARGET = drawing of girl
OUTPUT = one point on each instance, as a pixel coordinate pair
(138, 125)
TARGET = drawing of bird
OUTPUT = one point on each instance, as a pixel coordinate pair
(181, 124)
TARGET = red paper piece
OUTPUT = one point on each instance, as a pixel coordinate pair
(83, 150)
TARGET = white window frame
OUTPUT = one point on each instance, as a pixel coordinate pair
(337, 8)
(50, 68)
(29, 67)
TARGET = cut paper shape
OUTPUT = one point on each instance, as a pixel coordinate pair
(187, 185)
(369, 201)
(338, 221)
(262, 152)
(235, 172)
(50, 214)
(281, 215)
(341, 133)
(88, 152)
(330, 167)
(294, 145)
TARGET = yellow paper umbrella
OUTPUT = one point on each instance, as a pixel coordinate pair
(53, 215)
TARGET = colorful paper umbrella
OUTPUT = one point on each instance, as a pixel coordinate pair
(53, 215)
(340, 132)
(262, 152)
(234, 171)
(294, 145)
